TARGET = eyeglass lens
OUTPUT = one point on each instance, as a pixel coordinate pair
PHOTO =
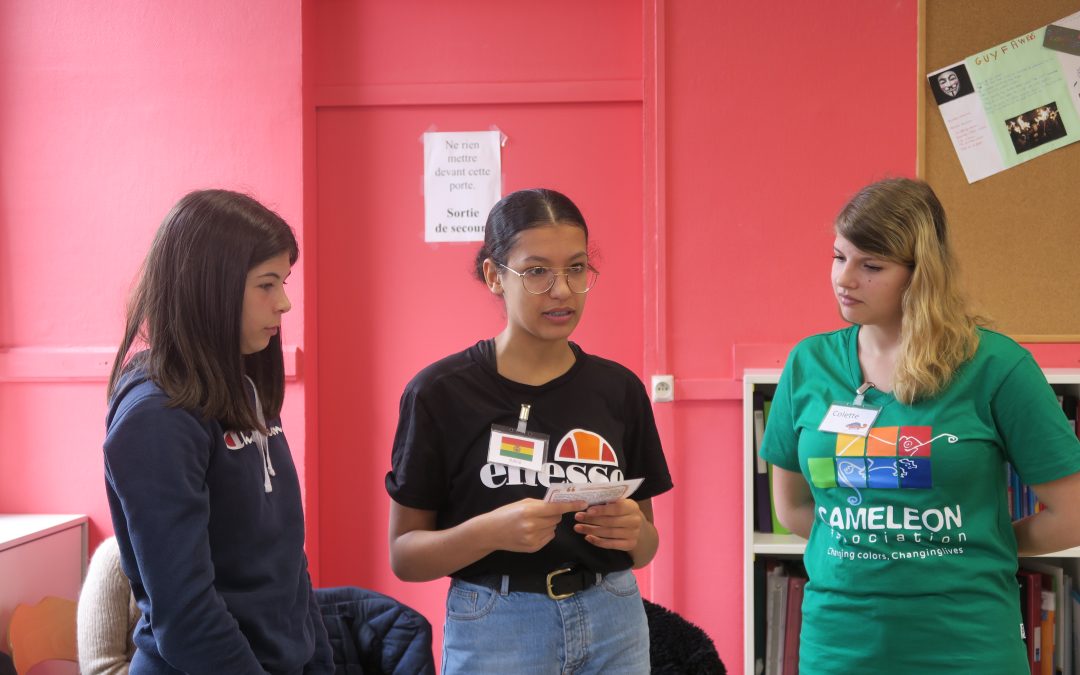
(541, 279)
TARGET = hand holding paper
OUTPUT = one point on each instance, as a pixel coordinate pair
(592, 493)
(616, 525)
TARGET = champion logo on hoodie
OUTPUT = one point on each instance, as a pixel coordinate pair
(236, 440)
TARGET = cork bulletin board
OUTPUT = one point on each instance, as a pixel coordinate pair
(1017, 232)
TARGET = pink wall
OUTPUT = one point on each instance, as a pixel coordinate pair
(800, 104)
(111, 112)
(388, 303)
(760, 122)
(710, 143)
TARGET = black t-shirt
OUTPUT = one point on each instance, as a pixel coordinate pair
(441, 447)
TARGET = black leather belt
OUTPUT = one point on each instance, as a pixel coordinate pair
(557, 584)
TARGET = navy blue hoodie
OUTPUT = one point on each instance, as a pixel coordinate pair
(211, 534)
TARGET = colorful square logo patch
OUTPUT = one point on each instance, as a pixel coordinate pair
(881, 473)
(888, 458)
(914, 473)
(914, 442)
(851, 472)
(822, 471)
(881, 442)
(850, 446)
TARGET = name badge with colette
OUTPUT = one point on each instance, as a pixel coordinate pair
(854, 418)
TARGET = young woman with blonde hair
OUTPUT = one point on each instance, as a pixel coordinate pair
(889, 440)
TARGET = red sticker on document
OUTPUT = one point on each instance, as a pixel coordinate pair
(846, 418)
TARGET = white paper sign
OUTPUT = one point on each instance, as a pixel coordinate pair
(592, 493)
(462, 180)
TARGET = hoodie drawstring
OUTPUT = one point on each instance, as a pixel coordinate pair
(262, 441)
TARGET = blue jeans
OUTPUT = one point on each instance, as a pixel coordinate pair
(599, 630)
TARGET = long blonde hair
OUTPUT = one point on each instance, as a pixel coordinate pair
(901, 220)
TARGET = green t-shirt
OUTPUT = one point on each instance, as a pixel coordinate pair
(912, 556)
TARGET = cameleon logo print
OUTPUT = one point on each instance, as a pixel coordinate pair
(887, 458)
(579, 445)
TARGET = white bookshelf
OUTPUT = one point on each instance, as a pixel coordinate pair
(1064, 380)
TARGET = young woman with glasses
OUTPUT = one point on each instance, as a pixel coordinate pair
(204, 496)
(890, 440)
(537, 587)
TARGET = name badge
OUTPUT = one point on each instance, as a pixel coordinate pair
(846, 418)
(516, 448)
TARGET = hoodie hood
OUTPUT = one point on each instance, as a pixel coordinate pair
(136, 374)
(132, 376)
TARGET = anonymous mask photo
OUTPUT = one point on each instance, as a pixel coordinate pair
(949, 82)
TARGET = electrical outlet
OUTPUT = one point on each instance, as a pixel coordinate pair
(663, 388)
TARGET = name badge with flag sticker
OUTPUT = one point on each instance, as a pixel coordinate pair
(517, 448)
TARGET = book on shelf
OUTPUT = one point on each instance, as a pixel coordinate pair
(1066, 632)
(1031, 615)
(793, 623)
(1069, 404)
(762, 518)
(784, 584)
(1075, 596)
(1054, 589)
(1048, 637)
(759, 615)
(765, 519)
(1023, 501)
(776, 592)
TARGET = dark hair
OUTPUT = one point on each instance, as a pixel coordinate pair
(188, 304)
(520, 211)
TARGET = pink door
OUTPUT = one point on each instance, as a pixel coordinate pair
(386, 303)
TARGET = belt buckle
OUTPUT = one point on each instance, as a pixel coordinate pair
(551, 593)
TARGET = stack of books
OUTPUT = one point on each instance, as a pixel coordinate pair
(779, 593)
(1049, 603)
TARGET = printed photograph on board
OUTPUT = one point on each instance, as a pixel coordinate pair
(1035, 127)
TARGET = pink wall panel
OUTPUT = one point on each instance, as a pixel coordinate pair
(801, 104)
(419, 41)
(108, 114)
(51, 460)
(773, 113)
(708, 540)
(389, 303)
(798, 106)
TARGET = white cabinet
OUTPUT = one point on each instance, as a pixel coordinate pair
(40, 555)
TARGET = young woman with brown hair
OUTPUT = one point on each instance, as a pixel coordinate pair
(204, 496)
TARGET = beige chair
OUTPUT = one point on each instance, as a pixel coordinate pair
(42, 632)
(107, 615)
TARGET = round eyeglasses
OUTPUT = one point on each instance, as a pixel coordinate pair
(539, 280)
